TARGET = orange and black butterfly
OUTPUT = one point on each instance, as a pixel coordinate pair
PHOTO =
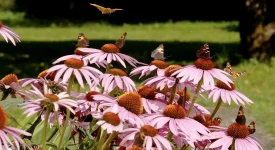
(82, 41)
(235, 75)
(121, 42)
(105, 10)
(204, 52)
(241, 117)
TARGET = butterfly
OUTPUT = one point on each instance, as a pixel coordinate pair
(204, 52)
(251, 127)
(139, 139)
(105, 10)
(241, 117)
(82, 41)
(121, 42)
(158, 53)
(235, 75)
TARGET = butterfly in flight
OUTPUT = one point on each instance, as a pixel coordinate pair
(105, 10)
(121, 42)
(235, 75)
(82, 41)
(158, 53)
(204, 52)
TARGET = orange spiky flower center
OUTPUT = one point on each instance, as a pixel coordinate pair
(122, 148)
(159, 63)
(52, 97)
(10, 78)
(135, 147)
(222, 85)
(117, 72)
(89, 95)
(78, 52)
(110, 48)
(206, 120)
(237, 130)
(174, 111)
(147, 92)
(171, 69)
(1, 24)
(132, 102)
(204, 64)
(149, 130)
(3, 118)
(50, 76)
(111, 118)
(74, 63)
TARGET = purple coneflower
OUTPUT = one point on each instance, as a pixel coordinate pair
(175, 116)
(8, 34)
(203, 68)
(237, 135)
(150, 103)
(128, 106)
(9, 85)
(109, 121)
(86, 103)
(109, 53)
(7, 132)
(47, 99)
(117, 78)
(76, 67)
(145, 136)
(79, 55)
(160, 82)
(226, 94)
(156, 66)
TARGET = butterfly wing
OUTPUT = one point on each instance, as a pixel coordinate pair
(204, 52)
(100, 8)
(158, 53)
(115, 9)
(82, 41)
(121, 42)
(241, 117)
(251, 127)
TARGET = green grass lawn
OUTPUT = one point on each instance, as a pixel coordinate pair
(41, 45)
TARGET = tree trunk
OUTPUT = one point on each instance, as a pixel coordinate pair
(257, 29)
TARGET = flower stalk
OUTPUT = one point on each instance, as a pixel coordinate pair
(195, 97)
(45, 127)
(106, 145)
(216, 108)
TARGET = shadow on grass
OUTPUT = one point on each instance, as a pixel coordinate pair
(28, 59)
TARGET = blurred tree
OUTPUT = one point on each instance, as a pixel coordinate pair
(257, 29)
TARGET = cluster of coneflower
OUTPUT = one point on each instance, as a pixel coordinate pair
(83, 102)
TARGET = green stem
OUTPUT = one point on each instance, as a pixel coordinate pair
(106, 145)
(170, 135)
(195, 97)
(233, 145)
(172, 93)
(216, 108)
(184, 147)
(108, 67)
(45, 128)
(70, 84)
(92, 123)
(69, 89)
(64, 128)
(101, 140)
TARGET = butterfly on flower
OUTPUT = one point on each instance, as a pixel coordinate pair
(251, 127)
(158, 53)
(235, 75)
(120, 42)
(204, 52)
